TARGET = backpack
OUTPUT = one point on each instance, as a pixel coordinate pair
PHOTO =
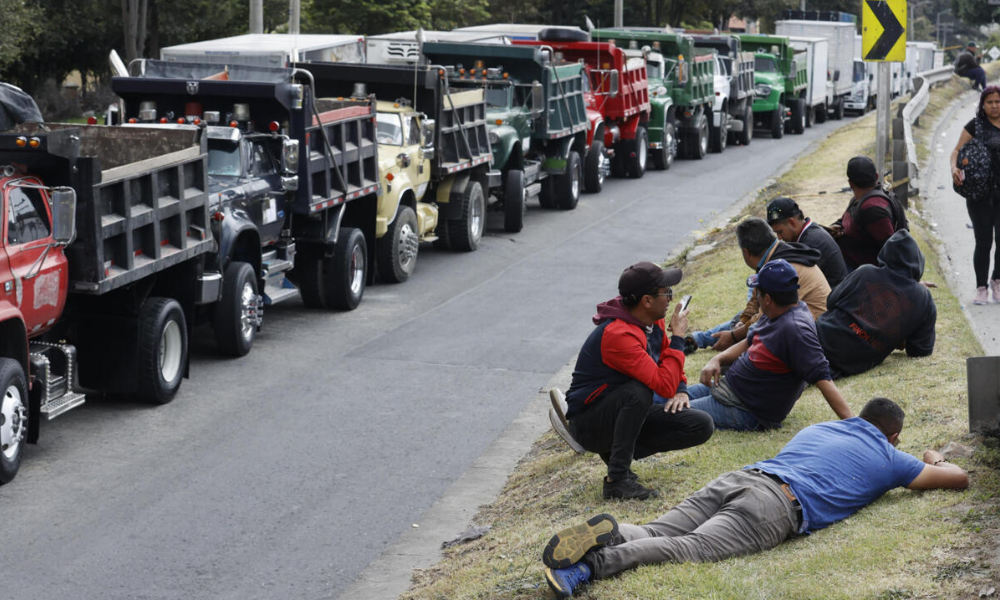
(897, 212)
(976, 162)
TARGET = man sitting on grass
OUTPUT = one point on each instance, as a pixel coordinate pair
(771, 368)
(826, 473)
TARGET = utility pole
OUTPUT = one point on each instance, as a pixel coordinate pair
(294, 16)
(256, 16)
(618, 13)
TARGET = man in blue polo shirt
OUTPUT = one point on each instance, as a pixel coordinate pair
(826, 473)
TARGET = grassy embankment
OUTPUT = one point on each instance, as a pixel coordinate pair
(938, 544)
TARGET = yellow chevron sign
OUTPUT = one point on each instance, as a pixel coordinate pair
(883, 30)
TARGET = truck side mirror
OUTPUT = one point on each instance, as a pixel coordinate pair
(427, 134)
(290, 155)
(836, 75)
(290, 182)
(613, 92)
(63, 201)
(537, 96)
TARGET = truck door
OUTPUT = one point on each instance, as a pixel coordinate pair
(38, 268)
(420, 166)
(269, 208)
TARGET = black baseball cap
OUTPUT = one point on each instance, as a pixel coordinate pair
(861, 170)
(777, 275)
(780, 209)
(971, 45)
(645, 278)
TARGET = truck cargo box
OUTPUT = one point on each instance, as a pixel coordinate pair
(841, 51)
(269, 50)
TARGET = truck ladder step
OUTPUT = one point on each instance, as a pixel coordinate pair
(533, 190)
(276, 265)
(274, 294)
(64, 404)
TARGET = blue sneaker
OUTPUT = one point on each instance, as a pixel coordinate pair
(564, 581)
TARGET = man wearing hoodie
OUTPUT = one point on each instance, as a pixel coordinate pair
(878, 309)
(627, 357)
(759, 246)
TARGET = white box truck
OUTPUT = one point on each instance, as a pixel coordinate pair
(840, 57)
(812, 54)
(402, 47)
(270, 50)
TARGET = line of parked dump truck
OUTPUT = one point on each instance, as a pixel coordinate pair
(234, 174)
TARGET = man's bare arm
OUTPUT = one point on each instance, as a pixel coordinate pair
(938, 473)
(834, 399)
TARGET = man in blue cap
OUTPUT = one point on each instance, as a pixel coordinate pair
(772, 366)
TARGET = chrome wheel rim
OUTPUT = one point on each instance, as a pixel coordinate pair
(408, 244)
(642, 156)
(248, 310)
(476, 218)
(603, 166)
(357, 269)
(703, 141)
(170, 351)
(575, 185)
(14, 423)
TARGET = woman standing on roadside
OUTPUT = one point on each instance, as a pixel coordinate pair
(985, 213)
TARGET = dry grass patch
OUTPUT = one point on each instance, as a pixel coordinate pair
(907, 545)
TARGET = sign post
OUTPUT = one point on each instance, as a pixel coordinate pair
(883, 40)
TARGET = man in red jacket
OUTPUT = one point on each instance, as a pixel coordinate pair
(625, 359)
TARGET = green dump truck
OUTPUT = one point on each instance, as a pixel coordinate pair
(536, 116)
(779, 83)
(681, 79)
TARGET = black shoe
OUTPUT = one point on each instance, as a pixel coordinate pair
(627, 489)
(690, 346)
(567, 547)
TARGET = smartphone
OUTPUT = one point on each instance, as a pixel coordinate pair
(685, 300)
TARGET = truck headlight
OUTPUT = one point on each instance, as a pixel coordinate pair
(494, 138)
(761, 90)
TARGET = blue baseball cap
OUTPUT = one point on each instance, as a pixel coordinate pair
(775, 276)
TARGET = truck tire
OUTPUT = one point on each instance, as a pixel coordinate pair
(798, 115)
(746, 135)
(618, 167)
(720, 134)
(336, 281)
(465, 232)
(838, 109)
(596, 163)
(14, 411)
(567, 185)
(514, 201)
(547, 195)
(778, 122)
(664, 157)
(822, 113)
(638, 152)
(396, 251)
(236, 313)
(697, 139)
(163, 349)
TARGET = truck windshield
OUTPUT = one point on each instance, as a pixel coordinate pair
(764, 64)
(223, 158)
(390, 129)
(654, 69)
(859, 71)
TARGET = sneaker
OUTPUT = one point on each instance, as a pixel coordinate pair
(627, 489)
(563, 432)
(558, 400)
(567, 547)
(982, 295)
(995, 289)
(690, 346)
(564, 581)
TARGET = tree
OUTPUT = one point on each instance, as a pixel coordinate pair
(21, 25)
(134, 20)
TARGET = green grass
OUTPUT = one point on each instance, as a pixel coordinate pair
(938, 544)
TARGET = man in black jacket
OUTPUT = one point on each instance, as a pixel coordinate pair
(877, 309)
(966, 65)
(786, 219)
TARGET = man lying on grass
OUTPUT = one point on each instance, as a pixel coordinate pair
(826, 473)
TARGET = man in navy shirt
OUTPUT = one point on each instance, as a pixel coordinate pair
(826, 473)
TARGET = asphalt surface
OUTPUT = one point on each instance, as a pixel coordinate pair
(950, 219)
(285, 473)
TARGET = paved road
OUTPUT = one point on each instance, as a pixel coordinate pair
(951, 222)
(283, 474)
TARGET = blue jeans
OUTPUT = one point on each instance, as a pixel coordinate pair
(704, 339)
(978, 76)
(725, 416)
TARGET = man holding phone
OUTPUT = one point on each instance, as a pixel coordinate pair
(627, 358)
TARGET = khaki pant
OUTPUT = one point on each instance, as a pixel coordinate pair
(739, 513)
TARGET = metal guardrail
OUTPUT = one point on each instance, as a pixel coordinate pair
(922, 83)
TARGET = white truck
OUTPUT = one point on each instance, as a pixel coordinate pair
(812, 54)
(864, 88)
(403, 47)
(840, 57)
(270, 50)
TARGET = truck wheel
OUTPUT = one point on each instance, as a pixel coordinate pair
(778, 122)
(13, 417)
(349, 269)
(838, 109)
(720, 134)
(236, 313)
(664, 157)
(798, 115)
(466, 232)
(514, 202)
(821, 113)
(747, 134)
(547, 195)
(618, 169)
(639, 147)
(697, 139)
(397, 249)
(597, 162)
(163, 349)
(567, 185)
